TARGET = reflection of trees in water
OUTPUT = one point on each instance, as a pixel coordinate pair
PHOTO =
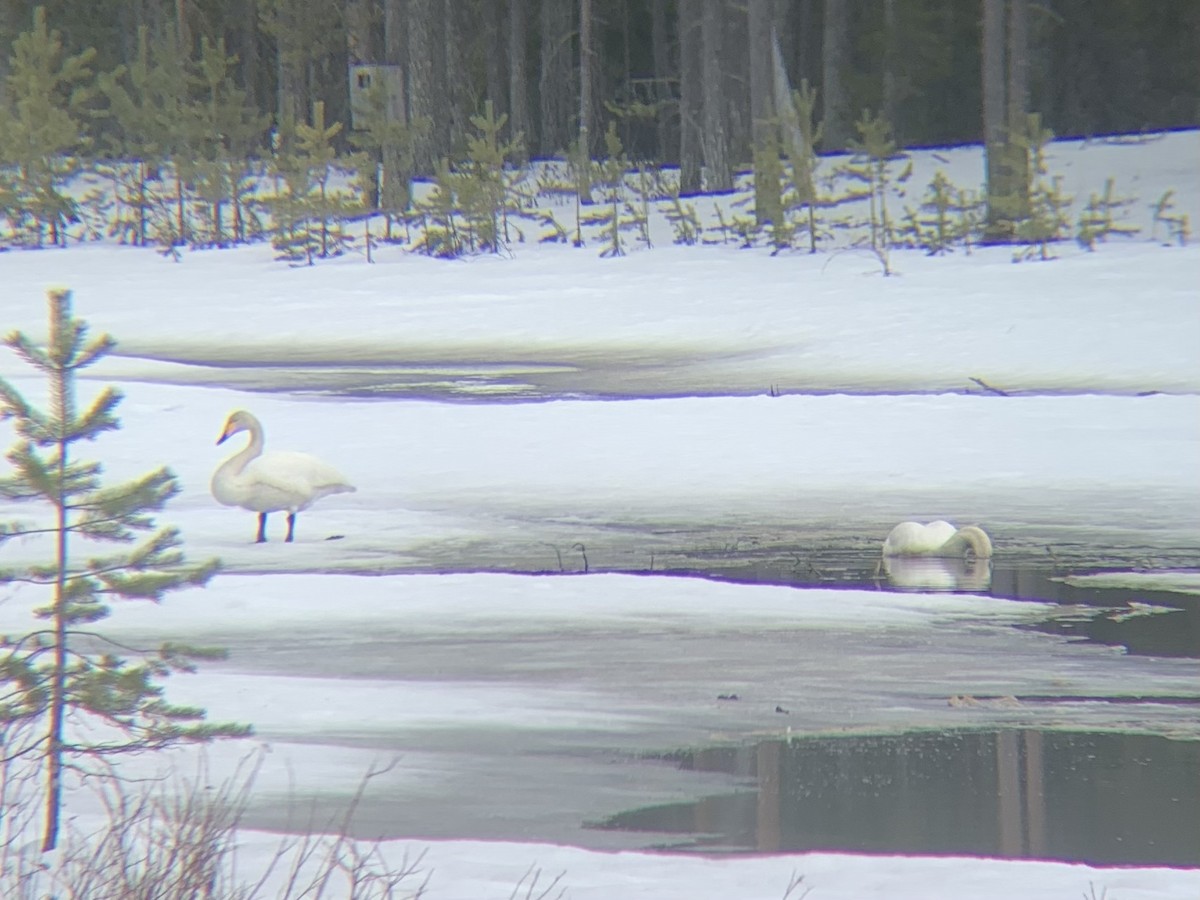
(1101, 798)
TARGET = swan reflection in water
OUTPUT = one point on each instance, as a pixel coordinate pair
(931, 573)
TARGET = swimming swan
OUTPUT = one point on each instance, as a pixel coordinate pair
(937, 539)
(271, 482)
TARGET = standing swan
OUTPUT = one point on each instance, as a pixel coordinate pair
(272, 482)
(937, 539)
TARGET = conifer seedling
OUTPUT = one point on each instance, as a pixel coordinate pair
(69, 696)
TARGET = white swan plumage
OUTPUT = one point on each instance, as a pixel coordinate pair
(271, 482)
(937, 539)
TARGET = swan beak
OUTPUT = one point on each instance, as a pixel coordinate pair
(224, 434)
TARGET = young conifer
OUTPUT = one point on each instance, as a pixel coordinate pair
(801, 136)
(313, 200)
(386, 137)
(41, 128)
(146, 98)
(67, 694)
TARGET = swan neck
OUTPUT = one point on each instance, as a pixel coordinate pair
(974, 539)
(253, 449)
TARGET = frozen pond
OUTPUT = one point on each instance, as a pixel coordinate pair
(687, 551)
(535, 709)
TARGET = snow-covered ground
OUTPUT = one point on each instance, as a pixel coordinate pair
(517, 704)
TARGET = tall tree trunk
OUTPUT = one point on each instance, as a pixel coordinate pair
(808, 49)
(691, 96)
(556, 83)
(585, 78)
(183, 31)
(1017, 115)
(397, 172)
(892, 79)
(661, 52)
(248, 62)
(834, 61)
(289, 107)
(519, 121)
(995, 119)
(735, 58)
(714, 139)
(497, 87)
(362, 44)
(424, 86)
(762, 110)
(452, 66)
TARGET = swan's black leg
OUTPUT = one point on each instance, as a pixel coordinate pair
(291, 526)
(262, 529)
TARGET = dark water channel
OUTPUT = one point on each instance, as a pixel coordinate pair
(1110, 799)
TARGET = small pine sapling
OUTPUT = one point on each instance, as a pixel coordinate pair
(145, 97)
(488, 195)
(70, 695)
(799, 147)
(616, 214)
(1046, 222)
(225, 132)
(1175, 223)
(875, 150)
(684, 221)
(1099, 218)
(935, 225)
(972, 211)
(440, 232)
(393, 142)
(315, 195)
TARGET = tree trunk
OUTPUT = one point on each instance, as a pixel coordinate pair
(762, 109)
(452, 66)
(892, 79)
(661, 53)
(585, 78)
(397, 173)
(183, 33)
(424, 87)
(1017, 156)
(691, 96)
(739, 125)
(714, 139)
(289, 82)
(556, 83)
(834, 60)
(518, 81)
(995, 115)
(361, 37)
(497, 87)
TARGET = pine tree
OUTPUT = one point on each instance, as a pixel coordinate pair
(389, 138)
(147, 99)
(486, 186)
(610, 214)
(224, 130)
(312, 202)
(40, 130)
(800, 139)
(1044, 221)
(1099, 218)
(111, 693)
(874, 151)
